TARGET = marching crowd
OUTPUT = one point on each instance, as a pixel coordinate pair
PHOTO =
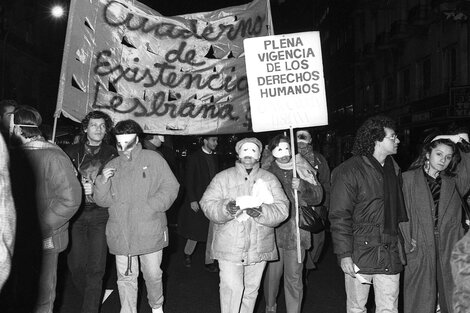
(402, 233)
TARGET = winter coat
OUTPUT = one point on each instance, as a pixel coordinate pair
(357, 218)
(50, 186)
(250, 241)
(308, 194)
(194, 225)
(7, 215)
(89, 166)
(420, 275)
(460, 263)
(141, 190)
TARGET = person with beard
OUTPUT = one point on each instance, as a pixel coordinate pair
(138, 187)
(246, 203)
(88, 249)
(193, 225)
(47, 194)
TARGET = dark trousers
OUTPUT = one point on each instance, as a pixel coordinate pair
(87, 256)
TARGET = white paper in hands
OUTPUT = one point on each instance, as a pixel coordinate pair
(245, 202)
(361, 278)
(260, 194)
(261, 191)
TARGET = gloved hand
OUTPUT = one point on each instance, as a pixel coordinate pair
(254, 212)
(232, 207)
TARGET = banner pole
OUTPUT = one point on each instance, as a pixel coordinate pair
(54, 128)
(270, 18)
(296, 197)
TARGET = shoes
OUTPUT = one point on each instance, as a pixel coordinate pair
(212, 268)
(159, 310)
(271, 309)
(187, 260)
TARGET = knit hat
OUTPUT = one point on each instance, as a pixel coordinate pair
(252, 140)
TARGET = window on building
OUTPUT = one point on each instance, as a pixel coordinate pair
(404, 84)
(426, 74)
(450, 65)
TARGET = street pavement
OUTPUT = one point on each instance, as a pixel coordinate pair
(194, 290)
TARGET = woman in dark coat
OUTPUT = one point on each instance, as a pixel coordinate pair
(432, 189)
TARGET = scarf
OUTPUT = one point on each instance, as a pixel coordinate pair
(394, 205)
(304, 169)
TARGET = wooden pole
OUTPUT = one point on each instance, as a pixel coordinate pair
(296, 197)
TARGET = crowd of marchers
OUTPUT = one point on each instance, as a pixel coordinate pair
(401, 233)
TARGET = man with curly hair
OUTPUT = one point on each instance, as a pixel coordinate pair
(365, 209)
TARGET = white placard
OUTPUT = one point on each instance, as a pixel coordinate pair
(286, 82)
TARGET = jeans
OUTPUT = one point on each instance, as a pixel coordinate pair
(47, 283)
(127, 285)
(293, 285)
(239, 286)
(386, 289)
(87, 257)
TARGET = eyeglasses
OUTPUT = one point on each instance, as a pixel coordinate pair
(393, 137)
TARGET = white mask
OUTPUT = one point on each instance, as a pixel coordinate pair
(249, 149)
(126, 142)
(281, 150)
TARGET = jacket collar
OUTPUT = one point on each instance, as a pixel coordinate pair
(134, 153)
(239, 166)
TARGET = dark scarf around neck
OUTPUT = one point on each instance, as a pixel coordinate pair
(394, 205)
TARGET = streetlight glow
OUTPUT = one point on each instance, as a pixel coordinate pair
(57, 11)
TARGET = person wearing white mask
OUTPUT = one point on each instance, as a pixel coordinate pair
(310, 193)
(138, 187)
(245, 203)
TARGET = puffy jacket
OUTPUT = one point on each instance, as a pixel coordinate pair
(251, 241)
(141, 190)
(57, 191)
(357, 218)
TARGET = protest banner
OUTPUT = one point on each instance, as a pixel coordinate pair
(174, 75)
(286, 83)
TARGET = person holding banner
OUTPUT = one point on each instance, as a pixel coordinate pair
(309, 192)
(365, 209)
(137, 187)
(245, 203)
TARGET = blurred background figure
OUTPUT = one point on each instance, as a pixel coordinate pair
(193, 225)
(6, 108)
(7, 215)
(320, 165)
(156, 143)
(88, 249)
(432, 190)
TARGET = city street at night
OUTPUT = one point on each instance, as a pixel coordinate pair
(194, 290)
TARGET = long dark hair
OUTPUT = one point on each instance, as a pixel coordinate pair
(428, 147)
